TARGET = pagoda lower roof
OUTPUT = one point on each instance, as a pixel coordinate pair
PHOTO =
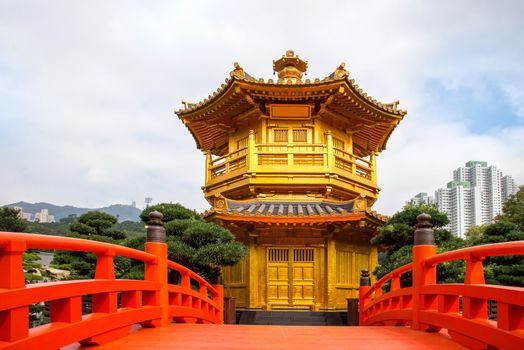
(287, 211)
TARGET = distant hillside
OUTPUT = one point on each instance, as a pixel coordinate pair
(121, 211)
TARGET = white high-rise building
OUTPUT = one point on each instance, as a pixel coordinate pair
(509, 187)
(44, 217)
(23, 215)
(421, 198)
(475, 196)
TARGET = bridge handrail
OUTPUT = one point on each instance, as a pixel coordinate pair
(477, 252)
(48, 242)
(431, 306)
(393, 275)
(116, 303)
(184, 271)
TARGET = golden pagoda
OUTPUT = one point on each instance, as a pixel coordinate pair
(291, 172)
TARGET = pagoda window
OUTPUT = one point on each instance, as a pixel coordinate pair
(338, 143)
(242, 143)
(242, 146)
(299, 135)
(280, 135)
(338, 146)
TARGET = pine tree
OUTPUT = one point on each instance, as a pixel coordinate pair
(509, 226)
(395, 239)
(201, 246)
(96, 226)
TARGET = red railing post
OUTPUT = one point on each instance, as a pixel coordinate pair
(423, 247)
(395, 282)
(474, 307)
(14, 323)
(105, 269)
(157, 271)
(365, 285)
(106, 302)
(219, 300)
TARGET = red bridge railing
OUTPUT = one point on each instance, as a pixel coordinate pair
(460, 308)
(116, 303)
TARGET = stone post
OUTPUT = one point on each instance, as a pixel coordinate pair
(157, 271)
(365, 285)
(423, 247)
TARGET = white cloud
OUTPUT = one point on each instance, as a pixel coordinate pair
(515, 96)
(90, 87)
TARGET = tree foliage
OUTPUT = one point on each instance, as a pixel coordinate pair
(399, 230)
(197, 244)
(94, 225)
(509, 226)
(171, 212)
(396, 240)
(513, 210)
(11, 221)
(49, 228)
(131, 228)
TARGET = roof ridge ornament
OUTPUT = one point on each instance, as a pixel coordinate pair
(341, 72)
(188, 104)
(238, 72)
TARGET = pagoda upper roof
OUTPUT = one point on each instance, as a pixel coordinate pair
(336, 96)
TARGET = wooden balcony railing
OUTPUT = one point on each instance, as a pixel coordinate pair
(297, 157)
(227, 164)
(116, 303)
(353, 164)
(459, 308)
(291, 155)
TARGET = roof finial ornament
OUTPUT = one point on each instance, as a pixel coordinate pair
(341, 72)
(290, 68)
(238, 72)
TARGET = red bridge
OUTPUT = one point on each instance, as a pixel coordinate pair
(138, 314)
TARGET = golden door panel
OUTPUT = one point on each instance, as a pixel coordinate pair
(278, 276)
(278, 294)
(303, 276)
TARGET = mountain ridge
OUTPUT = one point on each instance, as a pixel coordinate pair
(124, 212)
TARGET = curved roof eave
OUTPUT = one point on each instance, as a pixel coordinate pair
(224, 88)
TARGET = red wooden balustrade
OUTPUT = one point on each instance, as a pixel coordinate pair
(151, 302)
(429, 306)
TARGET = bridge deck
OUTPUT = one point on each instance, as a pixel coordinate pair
(242, 337)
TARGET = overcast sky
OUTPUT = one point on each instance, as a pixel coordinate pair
(88, 88)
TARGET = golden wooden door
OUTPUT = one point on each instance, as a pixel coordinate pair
(290, 277)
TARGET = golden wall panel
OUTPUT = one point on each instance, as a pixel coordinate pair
(344, 267)
(290, 111)
(240, 294)
(361, 262)
(235, 275)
